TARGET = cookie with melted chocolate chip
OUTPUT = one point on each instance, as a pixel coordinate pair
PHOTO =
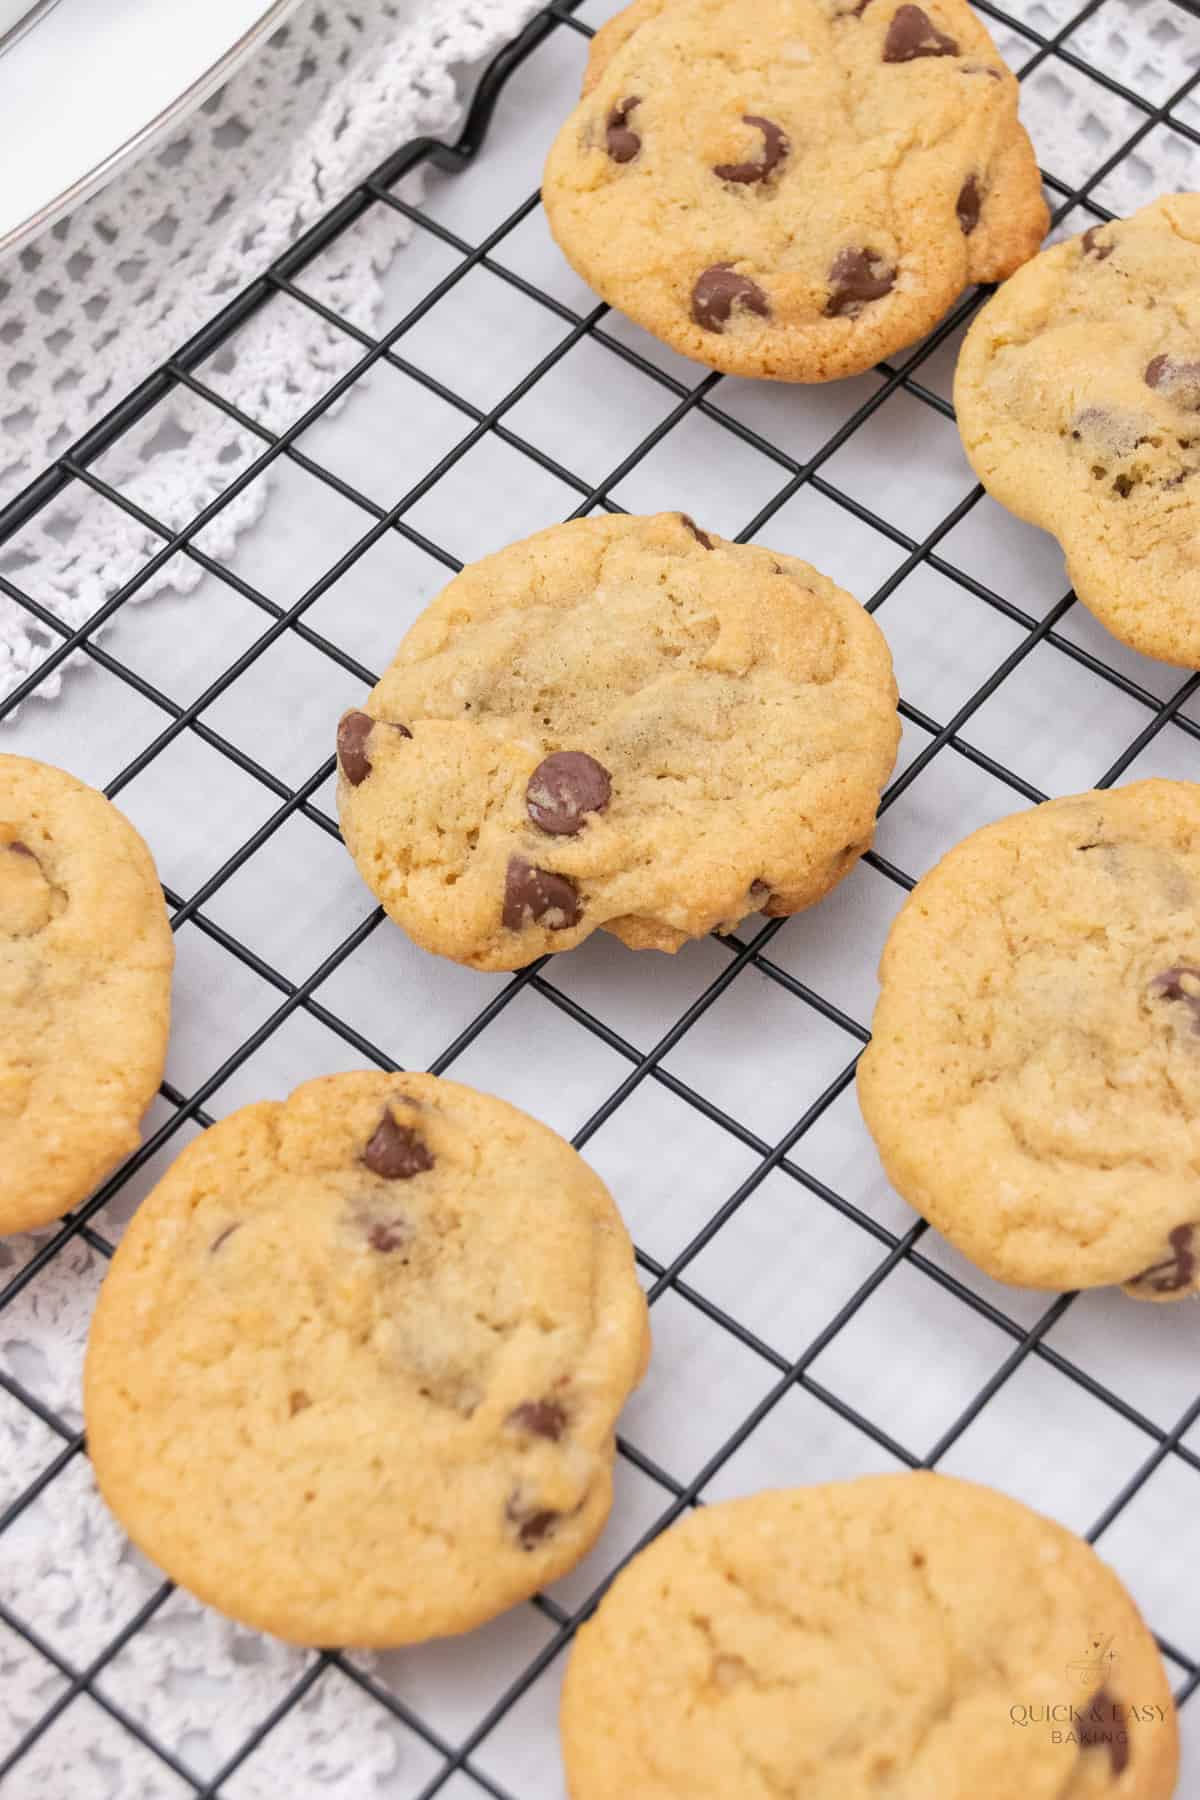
(86, 954)
(906, 1635)
(622, 723)
(1033, 1082)
(354, 1373)
(1078, 399)
(796, 188)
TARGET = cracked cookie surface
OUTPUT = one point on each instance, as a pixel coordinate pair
(863, 1637)
(86, 954)
(1033, 1081)
(354, 1372)
(796, 188)
(1078, 400)
(621, 722)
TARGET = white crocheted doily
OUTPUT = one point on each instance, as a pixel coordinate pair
(110, 292)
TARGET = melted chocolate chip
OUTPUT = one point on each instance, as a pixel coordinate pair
(389, 1234)
(719, 290)
(540, 1418)
(531, 894)
(532, 1527)
(1117, 432)
(1180, 983)
(564, 789)
(1101, 1728)
(223, 1237)
(395, 1152)
(352, 734)
(1179, 381)
(776, 145)
(856, 277)
(912, 33)
(701, 537)
(968, 204)
(621, 142)
(1092, 246)
(20, 849)
(1178, 1271)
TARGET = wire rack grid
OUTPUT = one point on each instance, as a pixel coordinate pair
(806, 1327)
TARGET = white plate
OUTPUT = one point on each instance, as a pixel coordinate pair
(87, 84)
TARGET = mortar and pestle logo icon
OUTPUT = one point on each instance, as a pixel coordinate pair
(1097, 1665)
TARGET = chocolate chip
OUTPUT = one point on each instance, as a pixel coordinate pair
(1178, 1271)
(719, 290)
(540, 1418)
(1180, 983)
(856, 277)
(620, 141)
(912, 33)
(1179, 381)
(1092, 247)
(352, 734)
(20, 849)
(298, 1401)
(1101, 1728)
(531, 894)
(532, 1527)
(564, 788)
(396, 1153)
(970, 199)
(222, 1237)
(387, 1235)
(701, 537)
(776, 145)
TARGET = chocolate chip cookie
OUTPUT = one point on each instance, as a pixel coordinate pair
(795, 188)
(353, 1375)
(1033, 1083)
(1078, 399)
(909, 1635)
(86, 954)
(620, 722)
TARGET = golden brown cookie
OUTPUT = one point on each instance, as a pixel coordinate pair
(354, 1372)
(1033, 1082)
(1078, 399)
(86, 954)
(794, 188)
(901, 1635)
(620, 722)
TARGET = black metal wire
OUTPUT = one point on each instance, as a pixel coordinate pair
(183, 373)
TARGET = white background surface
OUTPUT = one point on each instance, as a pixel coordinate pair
(914, 1355)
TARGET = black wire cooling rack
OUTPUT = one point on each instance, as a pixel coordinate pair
(459, 1759)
